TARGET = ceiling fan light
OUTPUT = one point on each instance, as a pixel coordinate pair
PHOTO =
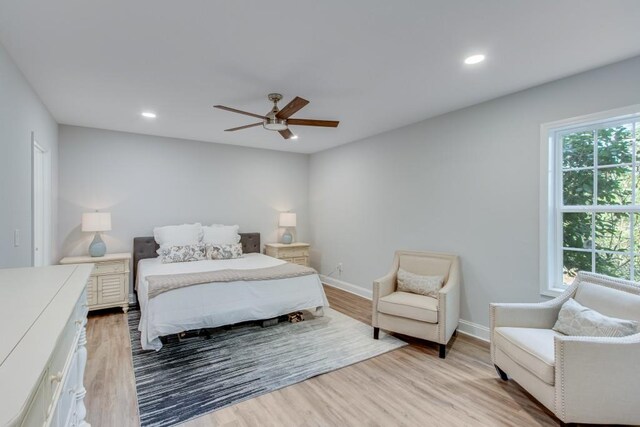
(275, 124)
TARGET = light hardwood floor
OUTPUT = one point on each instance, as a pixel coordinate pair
(407, 387)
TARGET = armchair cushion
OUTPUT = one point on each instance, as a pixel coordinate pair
(532, 349)
(609, 301)
(578, 320)
(425, 266)
(419, 284)
(410, 306)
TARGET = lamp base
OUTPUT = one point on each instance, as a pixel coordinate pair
(287, 238)
(97, 248)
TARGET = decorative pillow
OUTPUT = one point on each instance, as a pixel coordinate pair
(417, 284)
(228, 251)
(178, 235)
(219, 234)
(184, 253)
(578, 320)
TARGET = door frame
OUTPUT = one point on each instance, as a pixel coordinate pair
(46, 201)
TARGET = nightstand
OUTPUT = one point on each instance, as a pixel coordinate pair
(297, 253)
(108, 285)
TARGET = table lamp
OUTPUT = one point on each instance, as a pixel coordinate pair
(287, 219)
(96, 222)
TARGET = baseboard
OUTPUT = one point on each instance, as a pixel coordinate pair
(346, 286)
(475, 330)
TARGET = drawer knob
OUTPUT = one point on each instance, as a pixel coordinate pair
(56, 378)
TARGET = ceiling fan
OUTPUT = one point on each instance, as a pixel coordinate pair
(279, 120)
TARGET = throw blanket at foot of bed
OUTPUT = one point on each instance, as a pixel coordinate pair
(159, 284)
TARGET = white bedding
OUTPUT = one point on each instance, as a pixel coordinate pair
(211, 305)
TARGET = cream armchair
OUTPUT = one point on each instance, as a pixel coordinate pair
(432, 319)
(580, 379)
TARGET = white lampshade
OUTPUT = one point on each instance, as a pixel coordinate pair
(96, 221)
(287, 219)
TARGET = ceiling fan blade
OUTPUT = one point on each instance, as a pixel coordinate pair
(233, 110)
(310, 122)
(243, 127)
(291, 108)
(286, 134)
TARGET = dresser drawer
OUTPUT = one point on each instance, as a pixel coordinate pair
(109, 267)
(300, 261)
(59, 359)
(66, 402)
(36, 413)
(92, 290)
(82, 307)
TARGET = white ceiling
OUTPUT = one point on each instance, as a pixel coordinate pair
(374, 65)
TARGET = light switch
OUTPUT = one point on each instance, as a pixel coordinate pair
(16, 238)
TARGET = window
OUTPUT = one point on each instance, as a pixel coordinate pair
(591, 193)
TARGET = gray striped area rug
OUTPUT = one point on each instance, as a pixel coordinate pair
(189, 378)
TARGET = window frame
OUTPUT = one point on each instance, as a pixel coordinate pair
(551, 196)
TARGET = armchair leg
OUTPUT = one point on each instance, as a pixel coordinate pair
(376, 333)
(442, 350)
(503, 374)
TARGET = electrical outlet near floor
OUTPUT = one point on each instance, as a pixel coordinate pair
(339, 268)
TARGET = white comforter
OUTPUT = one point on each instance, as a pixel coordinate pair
(215, 304)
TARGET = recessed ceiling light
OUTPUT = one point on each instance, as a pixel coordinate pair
(294, 137)
(149, 114)
(474, 59)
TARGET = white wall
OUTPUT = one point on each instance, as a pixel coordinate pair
(21, 113)
(466, 182)
(147, 181)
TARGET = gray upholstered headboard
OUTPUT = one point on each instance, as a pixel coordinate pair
(146, 247)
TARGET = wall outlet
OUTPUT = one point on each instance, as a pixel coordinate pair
(16, 238)
(339, 268)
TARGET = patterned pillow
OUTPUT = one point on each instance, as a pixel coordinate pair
(417, 284)
(577, 320)
(185, 253)
(226, 251)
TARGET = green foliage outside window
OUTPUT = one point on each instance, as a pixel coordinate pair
(607, 153)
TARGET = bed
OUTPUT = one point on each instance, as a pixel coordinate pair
(211, 305)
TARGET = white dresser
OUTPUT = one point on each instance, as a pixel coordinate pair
(42, 349)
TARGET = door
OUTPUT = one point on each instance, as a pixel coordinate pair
(111, 289)
(41, 205)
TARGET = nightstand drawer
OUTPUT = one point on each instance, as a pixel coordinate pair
(109, 267)
(293, 252)
(300, 261)
(297, 253)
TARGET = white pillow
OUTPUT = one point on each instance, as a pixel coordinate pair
(178, 235)
(417, 284)
(219, 234)
(577, 320)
